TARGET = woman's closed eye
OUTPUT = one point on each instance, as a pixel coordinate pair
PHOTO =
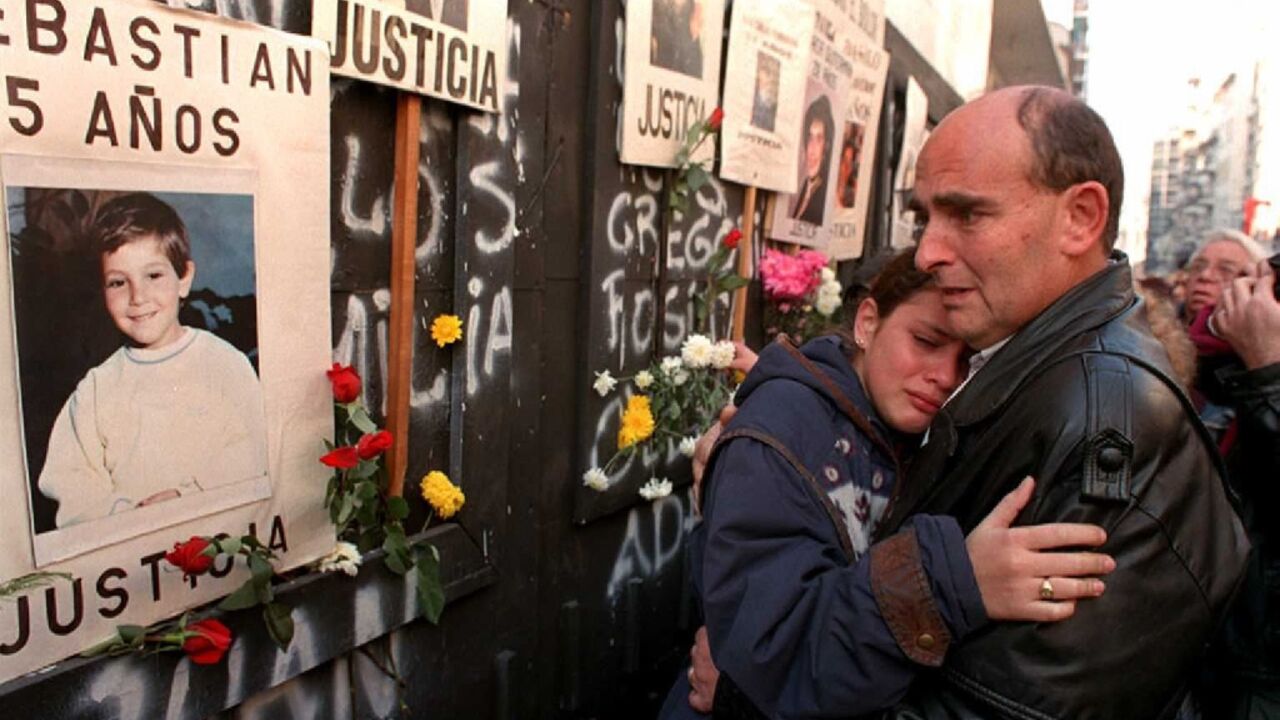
(927, 341)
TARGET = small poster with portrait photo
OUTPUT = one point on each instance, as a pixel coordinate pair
(135, 312)
(671, 76)
(764, 89)
(803, 217)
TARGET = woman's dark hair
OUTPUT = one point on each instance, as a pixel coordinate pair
(896, 283)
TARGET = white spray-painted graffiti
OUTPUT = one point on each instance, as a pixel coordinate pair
(654, 538)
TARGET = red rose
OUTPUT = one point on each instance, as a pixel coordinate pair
(343, 458)
(207, 643)
(189, 557)
(717, 117)
(372, 445)
(346, 383)
(733, 238)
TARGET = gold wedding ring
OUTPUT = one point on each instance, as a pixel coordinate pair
(1046, 590)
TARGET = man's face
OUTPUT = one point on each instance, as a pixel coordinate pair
(814, 148)
(986, 232)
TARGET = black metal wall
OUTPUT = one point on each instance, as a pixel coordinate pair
(564, 602)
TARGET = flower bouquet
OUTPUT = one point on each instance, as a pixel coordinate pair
(802, 295)
(366, 516)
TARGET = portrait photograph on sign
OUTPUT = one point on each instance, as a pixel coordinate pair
(136, 321)
(675, 37)
(671, 77)
(850, 161)
(803, 217)
(764, 99)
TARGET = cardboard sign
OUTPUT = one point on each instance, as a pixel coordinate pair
(764, 85)
(454, 50)
(671, 77)
(164, 308)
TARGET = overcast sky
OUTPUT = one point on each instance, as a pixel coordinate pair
(1141, 53)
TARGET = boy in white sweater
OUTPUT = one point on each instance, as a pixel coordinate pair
(176, 410)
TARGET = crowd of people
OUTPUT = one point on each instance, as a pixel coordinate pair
(1021, 484)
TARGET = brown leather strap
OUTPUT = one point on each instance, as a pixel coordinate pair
(906, 600)
(837, 519)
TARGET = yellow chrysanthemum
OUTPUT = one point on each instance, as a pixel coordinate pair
(637, 422)
(445, 497)
(446, 329)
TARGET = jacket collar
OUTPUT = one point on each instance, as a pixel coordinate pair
(1087, 306)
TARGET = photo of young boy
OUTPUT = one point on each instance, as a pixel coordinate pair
(173, 410)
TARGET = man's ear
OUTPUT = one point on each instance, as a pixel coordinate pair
(1084, 208)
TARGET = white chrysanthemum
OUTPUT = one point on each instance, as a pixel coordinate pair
(344, 557)
(828, 275)
(829, 297)
(671, 364)
(596, 479)
(655, 489)
(643, 379)
(696, 351)
(827, 304)
(604, 383)
(722, 354)
(688, 445)
(679, 377)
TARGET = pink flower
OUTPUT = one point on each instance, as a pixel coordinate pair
(791, 277)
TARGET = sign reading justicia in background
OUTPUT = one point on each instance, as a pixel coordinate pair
(454, 50)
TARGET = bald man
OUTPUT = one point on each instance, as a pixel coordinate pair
(1017, 201)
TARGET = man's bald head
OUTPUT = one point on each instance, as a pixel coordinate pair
(1070, 144)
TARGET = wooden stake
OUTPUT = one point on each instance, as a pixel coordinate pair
(738, 326)
(404, 232)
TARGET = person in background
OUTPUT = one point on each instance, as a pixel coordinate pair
(1223, 256)
(1243, 676)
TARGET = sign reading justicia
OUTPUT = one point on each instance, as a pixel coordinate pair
(454, 50)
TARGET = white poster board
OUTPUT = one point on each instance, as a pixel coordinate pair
(914, 132)
(142, 405)
(856, 152)
(454, 50)
(671, 77)
(764, 84)
(806, 216)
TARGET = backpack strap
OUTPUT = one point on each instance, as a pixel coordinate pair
(837, 520)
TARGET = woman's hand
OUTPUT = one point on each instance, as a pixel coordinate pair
(1020, 572)
(702, 452)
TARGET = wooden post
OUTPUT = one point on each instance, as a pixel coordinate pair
(404, 232)
(738, 326)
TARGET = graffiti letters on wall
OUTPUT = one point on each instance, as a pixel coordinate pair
(164, 306)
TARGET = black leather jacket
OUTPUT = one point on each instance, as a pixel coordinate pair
(1081, 399)
(1250, 647)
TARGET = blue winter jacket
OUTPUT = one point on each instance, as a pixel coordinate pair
(804, 618)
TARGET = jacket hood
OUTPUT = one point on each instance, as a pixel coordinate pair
(827, 353)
